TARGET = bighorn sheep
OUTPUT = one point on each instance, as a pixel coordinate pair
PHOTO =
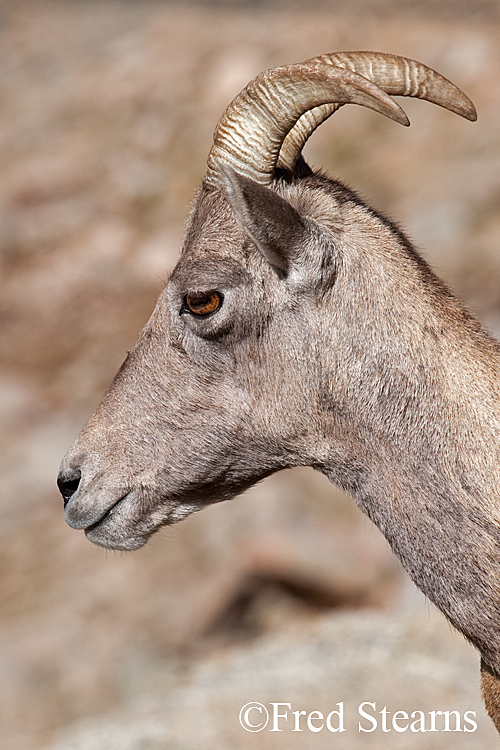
(301, 327)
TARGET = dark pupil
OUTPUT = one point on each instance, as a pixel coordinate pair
(203, 304)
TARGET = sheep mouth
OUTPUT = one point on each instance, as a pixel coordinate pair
(123, 527)
(116, 530)
(109, 513)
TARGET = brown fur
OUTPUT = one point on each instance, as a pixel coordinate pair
(490, 688)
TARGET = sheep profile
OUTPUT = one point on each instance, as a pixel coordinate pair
(301, 328)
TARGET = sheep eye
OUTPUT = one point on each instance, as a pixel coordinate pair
(202, 303)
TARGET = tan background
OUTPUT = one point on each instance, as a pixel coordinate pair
(107, 111)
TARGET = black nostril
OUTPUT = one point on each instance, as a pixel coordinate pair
(68, 484)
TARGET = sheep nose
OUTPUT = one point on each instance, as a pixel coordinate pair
(68, 482)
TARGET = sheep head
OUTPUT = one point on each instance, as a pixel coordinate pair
(247, 364)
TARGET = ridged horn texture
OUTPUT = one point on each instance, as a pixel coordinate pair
(269, 122)
(251, 131)
(398, 76)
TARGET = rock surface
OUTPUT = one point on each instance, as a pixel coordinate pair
(401, 663)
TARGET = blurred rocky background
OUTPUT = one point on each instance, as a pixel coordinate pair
(288, 594)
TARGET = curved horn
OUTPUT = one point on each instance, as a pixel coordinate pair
(251, 131)
(398, 76)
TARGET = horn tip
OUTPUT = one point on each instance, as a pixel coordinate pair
(400, 116)
(465, 109)
(471, 113)
(461, 105)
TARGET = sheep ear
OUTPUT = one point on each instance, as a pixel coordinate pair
(273, 225)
